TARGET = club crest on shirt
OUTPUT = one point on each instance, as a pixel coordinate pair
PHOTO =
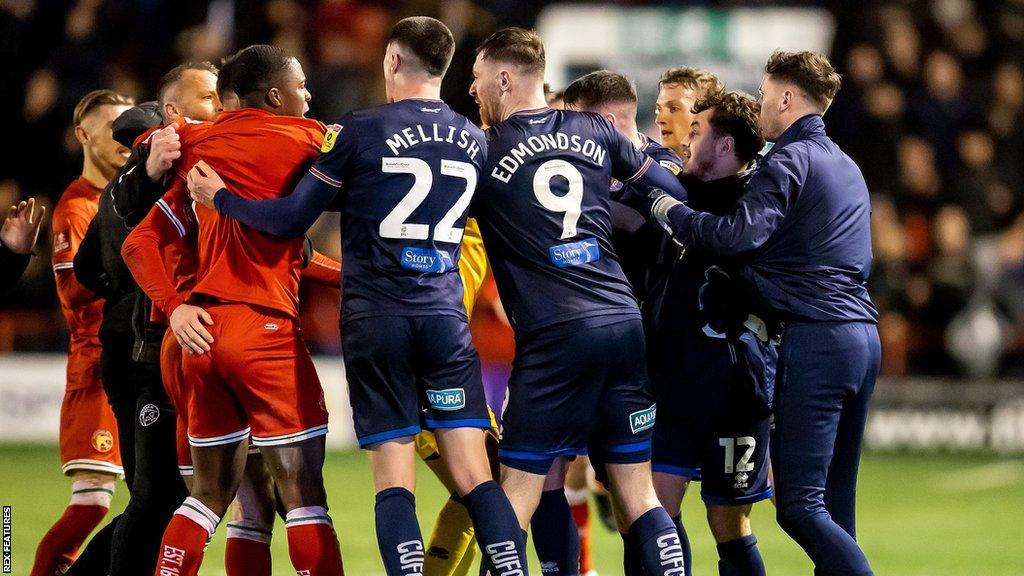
(672, 167)
(333, 131)
(60, 242)
(103, 440)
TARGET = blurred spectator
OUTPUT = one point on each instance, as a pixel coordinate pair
(936, 109)
(932, 108)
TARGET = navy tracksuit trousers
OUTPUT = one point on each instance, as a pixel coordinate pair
(827, 371)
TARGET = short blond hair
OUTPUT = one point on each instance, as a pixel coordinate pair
(696, 79)
(97, 98)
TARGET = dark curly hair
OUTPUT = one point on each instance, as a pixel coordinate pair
(734, 114)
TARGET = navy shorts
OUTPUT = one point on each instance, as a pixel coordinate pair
(711, 426)
(408, 373)
(728, 456)
(581, 385)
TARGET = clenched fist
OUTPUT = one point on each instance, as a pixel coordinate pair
(164, 149)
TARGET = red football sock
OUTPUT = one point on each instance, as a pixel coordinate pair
(244, 557)
(59, 547)
(581, 515)
(181, 551)
(312, 544)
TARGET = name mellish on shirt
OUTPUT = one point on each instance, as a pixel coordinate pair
(414, 135)
(534, 145)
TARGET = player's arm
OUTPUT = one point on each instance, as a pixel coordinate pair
(320, 269)
(289, 216)
(762, 209)
(143, 179)
(88, 262)
(634, 168)
(143, 255)
(18, 236)
(69, 228)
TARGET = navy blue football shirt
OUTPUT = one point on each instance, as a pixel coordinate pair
(543, 209)
(403, 176)
(802, 227)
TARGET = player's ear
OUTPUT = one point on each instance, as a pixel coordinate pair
(609, 117)
(395, 62)
(726, 145)
(274, 98)
(786, 101)
(171, 111)
(81, 135)
(504, 80)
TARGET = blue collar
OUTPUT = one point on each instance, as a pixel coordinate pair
(805, 128)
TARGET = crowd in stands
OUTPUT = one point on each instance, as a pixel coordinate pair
(932, 109)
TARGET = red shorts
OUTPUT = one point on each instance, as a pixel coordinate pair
(258, 378)
(174, 384)
(88, 432)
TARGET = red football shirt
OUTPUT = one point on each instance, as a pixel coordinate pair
(259, 155)
(161, 251)
(83, 310)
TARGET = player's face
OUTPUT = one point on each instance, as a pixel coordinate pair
(771, 96)
(291, 90)
(196, 96)
(702, 151)
(97, 138)
(486, 88)
(672, 115)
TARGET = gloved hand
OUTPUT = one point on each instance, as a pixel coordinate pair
(661, 203)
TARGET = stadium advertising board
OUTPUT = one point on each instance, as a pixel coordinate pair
(642, 42)
(917, 414)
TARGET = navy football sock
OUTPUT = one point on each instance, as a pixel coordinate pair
(501, 539)
(740, 557)
(684, 541)
(632, 562)
(398, 532)
(655, 536)
(555, 536)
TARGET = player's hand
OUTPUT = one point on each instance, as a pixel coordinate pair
(164, 149)
(661, 203)
(203, 184)
(187, 325)
(21, 228)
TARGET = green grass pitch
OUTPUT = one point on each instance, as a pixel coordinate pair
(927, 515)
